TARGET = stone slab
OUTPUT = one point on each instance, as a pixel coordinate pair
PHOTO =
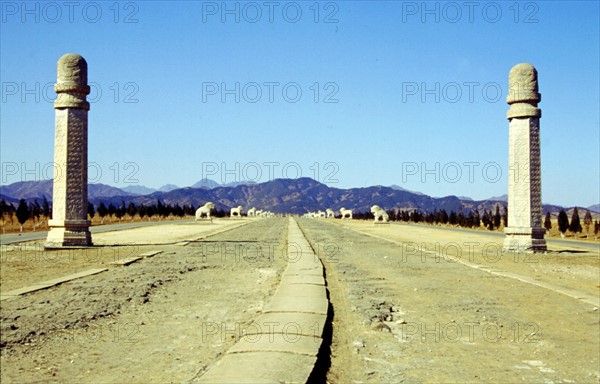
(259, 367)
(27, 289)
(305, 267)
(300, 290)
(278, 342)
(59, 280)
(291, 323)
(127, 261)
(304, 279)
(303, 272)
(49, 283)
(307, 263)
(297, 304)
(150, 253)
(73, 276)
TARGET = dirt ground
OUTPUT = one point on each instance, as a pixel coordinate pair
(162, 319)
(27, 263)
(405, 316)
(411, 304)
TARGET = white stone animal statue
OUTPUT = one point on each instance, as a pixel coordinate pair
(204, 210)
(380, 214)
(346, 212)
(330, 213)
(236, 211)
(252, 211)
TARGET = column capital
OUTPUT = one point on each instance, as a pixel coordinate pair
(71, 84)
(523, 96)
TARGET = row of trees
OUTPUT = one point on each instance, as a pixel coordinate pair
(490, 220)
(38, 213)
(158, 209)
(574, 226)
(26, 211)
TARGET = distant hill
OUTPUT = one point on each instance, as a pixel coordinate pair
(399, 188)
(211, 184)
(138, 190)
(168, 188)
(280, 195)
(206, 184)
(237, 183)
(9, 199)
(302, 195)
(595, 207)
(31, 190)
(499, 198)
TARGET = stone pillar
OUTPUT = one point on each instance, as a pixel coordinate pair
(69, 225)
(524, 232)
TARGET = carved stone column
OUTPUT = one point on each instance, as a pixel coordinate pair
(69, 225)
(524, 232)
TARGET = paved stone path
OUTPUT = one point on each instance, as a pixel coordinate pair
(283, 343)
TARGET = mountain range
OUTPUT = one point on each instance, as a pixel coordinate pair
(279, 195)
(204, 184)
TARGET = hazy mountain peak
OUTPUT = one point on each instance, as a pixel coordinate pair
(399, 188)
(499, 198)
(595, 207)
(206, 184)
(168, 188)
(138, 190)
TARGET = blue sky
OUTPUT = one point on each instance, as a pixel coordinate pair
(351, 93)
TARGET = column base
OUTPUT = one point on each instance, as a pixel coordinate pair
(524, 240)
(68, 233)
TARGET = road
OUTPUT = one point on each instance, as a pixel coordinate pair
(557, 243)
(12, 238)
(406, 316)
(398, 314)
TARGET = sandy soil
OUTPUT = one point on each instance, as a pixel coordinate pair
(162, 319)
(403, 318)
(28, 263)
(570, 268)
